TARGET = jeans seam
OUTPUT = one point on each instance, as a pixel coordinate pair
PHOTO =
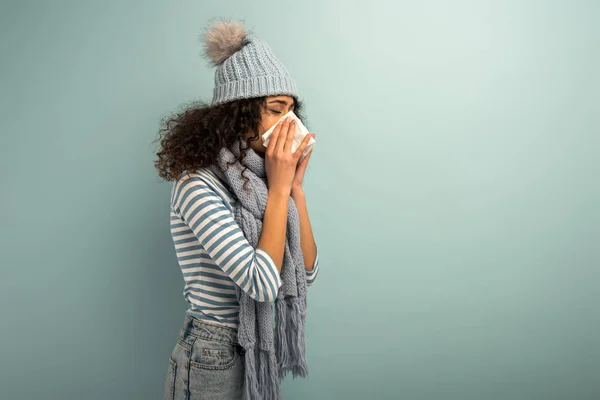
(212, 339)
(197, 365)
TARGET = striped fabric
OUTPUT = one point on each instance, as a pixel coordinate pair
(213, 252)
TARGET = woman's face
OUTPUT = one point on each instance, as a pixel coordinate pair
(275, 107)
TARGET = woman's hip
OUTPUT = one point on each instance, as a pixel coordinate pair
(206, 363)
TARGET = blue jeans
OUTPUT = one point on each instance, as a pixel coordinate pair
(206, 363)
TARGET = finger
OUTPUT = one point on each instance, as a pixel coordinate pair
(303, 145)
(273, 138)
(282, 137)
(276, 133)
(304, 160)
(290, 136)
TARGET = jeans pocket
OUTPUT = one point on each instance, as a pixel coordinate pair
(213, 355)
(216, 371)
(169, 393)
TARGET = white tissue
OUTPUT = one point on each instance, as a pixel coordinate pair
(299, 135)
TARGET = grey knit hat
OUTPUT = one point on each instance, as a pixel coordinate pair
(246, 65)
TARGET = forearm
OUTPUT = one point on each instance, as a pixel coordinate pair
(307, 240)
(272, 238)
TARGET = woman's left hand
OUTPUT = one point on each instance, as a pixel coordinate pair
(300, 170)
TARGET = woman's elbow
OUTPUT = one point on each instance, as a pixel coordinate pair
(264, 294)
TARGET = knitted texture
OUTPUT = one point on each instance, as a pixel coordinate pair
(270, 351)
(253, 71)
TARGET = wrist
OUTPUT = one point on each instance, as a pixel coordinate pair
(298, 191)
(279, 192)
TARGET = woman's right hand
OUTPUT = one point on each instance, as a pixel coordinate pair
(280, 162)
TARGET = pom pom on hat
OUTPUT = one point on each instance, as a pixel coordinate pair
(223, 39)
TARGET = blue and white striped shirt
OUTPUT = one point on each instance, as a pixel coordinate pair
(213, 253)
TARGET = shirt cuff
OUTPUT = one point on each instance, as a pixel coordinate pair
(272, 267)
(311, 274)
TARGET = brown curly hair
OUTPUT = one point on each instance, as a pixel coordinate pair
(191, 139)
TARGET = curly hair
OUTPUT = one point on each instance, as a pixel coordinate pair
(192, 138)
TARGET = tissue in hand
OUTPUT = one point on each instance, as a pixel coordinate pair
(299, 135)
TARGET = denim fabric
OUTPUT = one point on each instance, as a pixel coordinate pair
(207, 363)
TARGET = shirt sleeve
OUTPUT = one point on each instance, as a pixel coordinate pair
(213, 224)
(311, 275)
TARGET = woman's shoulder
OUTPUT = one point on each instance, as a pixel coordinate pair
(208, 180)
(200, 174)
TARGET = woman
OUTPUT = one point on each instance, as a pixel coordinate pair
(240, 227)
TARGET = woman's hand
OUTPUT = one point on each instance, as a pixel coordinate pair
(280, 162)
(301, 168)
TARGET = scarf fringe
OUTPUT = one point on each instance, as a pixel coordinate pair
(296, 337)
(251, 391)
(290, 342)
(268, 376)
(281, 343)
(275, 381)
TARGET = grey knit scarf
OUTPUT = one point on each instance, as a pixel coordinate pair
(270, 351)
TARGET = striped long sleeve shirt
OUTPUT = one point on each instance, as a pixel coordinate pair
(213, 253)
